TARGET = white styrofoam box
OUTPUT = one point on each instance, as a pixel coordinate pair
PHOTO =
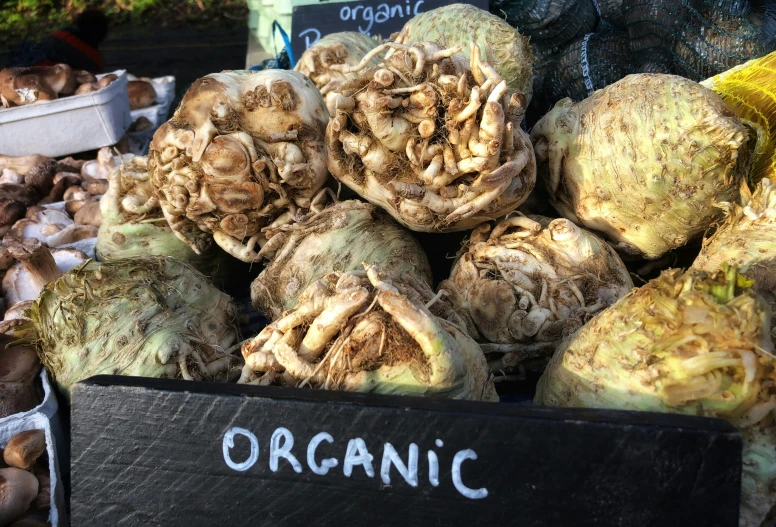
(165, 94)
(157, 114)
(48, 410)
(38, 421)
(68, 125)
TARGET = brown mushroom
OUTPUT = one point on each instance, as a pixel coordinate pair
(24, 449)
(41, 178)
(21, 193)
(33, 211)
(61, 78)
(73, 206)
(99, 168)
(6, 258)
(58, 192)
(22, 164)
(20, 86)
(142, 124)
(43, 499)
(82, 77)
(18, 489)
(106, 80)
(96, 187)
(87, 87)
(69, 164)
(63, 174)
(19, 369)
(11, 211)
(89, 214)
(75, 192)
(38, 265)
(141, 94)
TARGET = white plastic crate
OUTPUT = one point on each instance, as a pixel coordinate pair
(68, 125)
(44, 417)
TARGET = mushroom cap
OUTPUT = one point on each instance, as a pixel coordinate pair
(141, 94)
(18, 488)
(24, 449)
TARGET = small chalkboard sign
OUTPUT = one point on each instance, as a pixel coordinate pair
(175, 453)
(371, 17)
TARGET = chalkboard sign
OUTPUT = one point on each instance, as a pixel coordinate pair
(371, 17)
(176, 453)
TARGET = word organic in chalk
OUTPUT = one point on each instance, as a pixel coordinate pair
(196, 454)
(372, 17)
(355, 454)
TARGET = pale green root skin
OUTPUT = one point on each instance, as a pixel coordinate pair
(644, 161)
(155, 238)
(502, 45)
(132, 317)
(341, 238)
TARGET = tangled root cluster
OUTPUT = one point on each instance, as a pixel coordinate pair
(526, 283)
(431, 137)
(242, 150)
(370, 331)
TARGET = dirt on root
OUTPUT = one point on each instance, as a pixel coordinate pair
(390, 346)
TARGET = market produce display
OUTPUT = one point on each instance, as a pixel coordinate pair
(340, 238)
(528, 282)
(242, 149)
(440, 153)
(642, 161)
(118, 264)
(370, 331)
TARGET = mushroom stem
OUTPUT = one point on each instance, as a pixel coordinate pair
(37, 260)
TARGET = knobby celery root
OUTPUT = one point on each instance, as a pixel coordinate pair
(643, 161)
(338, 238)
(433, 139)
(370, 331)
(347, 47)
(132, 225)
(526, 283)
(241, 149)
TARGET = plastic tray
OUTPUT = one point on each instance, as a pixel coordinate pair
(68, 125)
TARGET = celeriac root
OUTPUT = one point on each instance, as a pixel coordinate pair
(370, 331)
(433, 139)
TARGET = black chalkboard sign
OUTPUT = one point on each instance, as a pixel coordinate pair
(371, 17)
(175, 453)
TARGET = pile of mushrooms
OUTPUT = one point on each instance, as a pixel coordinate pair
(22, 86)
(25, 484)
